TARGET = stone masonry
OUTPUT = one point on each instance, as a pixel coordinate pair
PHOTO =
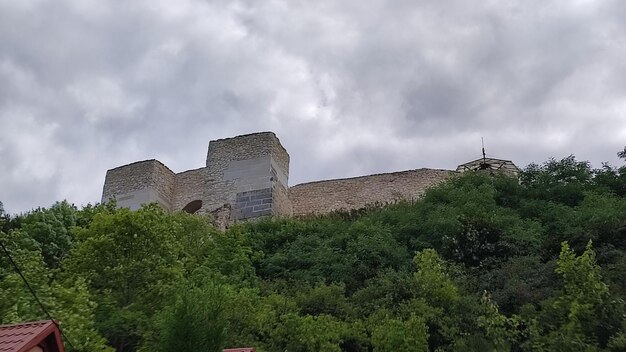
(247, 176)
(358, 192)
(244, 177)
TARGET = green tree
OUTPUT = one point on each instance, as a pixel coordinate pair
(563, 181)
(519, 281)
(622, 154)
(609, 179)
(602, 218)
(308, 333)
(66, 300)
(131, 260)
(501, 332)
(388, 290)
(584, 316)
(432, 280)
(323, 299)
(437, 300)
(390, 335)
(370, 247)
(52, 229)
(195, 322)
(225, 254)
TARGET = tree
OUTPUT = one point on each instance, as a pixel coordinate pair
(225, 254)
(518, 281)
(563, 181)
(584, 316)
(433, 283)
(195, 322)
(52, 229)
(307, 333)
(4, 219)
(369, 249)
(323, 299)
(622, 154)
(66, 300)
(499, 330)
(131, 260)
(392, 335)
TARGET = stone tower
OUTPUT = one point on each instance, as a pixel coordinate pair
(250, 174)
(245, 177)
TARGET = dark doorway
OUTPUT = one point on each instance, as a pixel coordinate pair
(193, 206)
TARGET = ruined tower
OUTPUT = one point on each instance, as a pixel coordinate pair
(244, 177)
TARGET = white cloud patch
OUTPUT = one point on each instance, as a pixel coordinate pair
(99, 98)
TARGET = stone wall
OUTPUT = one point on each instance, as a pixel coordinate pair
(249, 146)
(141, 182)
(189, 187)
(280, 162)
(253, 204)
(281, 203)
(354, 193)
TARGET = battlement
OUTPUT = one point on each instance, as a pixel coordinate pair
(247, 177)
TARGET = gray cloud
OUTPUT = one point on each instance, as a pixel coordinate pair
(350, 87)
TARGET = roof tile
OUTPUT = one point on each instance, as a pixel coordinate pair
(15, 337)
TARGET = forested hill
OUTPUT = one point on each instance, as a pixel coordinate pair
(480, 263)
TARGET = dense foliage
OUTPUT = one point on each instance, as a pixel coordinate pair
(480, 263)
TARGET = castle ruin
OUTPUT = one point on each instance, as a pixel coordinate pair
(247, 177)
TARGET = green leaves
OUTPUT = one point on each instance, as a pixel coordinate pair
(392, 335)
(129, 253)
(584, 316)
(195, 322)
(622, 154)
(52, 229)
(432, 281)
(66, 300)
(581, 276)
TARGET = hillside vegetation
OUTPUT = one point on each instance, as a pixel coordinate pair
(480, 263)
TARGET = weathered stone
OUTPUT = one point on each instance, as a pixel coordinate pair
(353, 193)
(239, 170)
(246, 177)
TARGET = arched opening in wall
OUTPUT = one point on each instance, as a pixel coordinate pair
(193, 206)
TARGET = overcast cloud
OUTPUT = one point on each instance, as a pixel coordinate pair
(350, 87)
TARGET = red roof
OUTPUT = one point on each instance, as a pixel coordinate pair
(23, 337)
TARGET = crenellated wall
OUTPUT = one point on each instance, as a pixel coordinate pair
(247, 177)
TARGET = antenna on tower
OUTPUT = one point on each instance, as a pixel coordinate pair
(484, 165)
(482, 141)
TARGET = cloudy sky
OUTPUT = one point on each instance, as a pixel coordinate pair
(350, 87)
